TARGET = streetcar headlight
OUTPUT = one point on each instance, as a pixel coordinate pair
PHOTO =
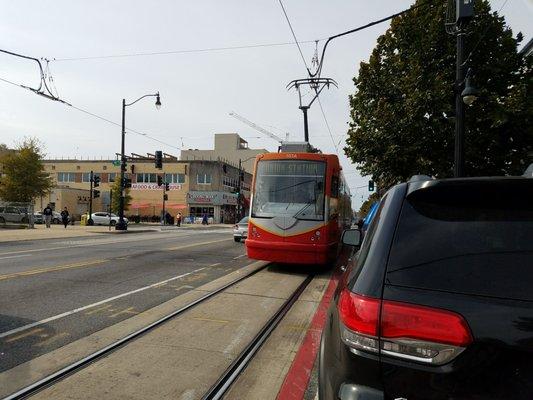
(317, 233)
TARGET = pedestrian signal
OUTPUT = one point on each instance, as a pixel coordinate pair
(126, 183)
(96, 194)
(96, 181)
(370, 186)
(159, 180)
(167, 186)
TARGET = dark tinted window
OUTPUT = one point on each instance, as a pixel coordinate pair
(475, 238)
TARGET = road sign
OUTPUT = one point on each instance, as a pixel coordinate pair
(116, 163)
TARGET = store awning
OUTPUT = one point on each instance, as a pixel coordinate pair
(137, 205)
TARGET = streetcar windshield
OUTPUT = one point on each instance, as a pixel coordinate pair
(290, 188)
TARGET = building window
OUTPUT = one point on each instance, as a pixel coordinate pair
(146, 178)
(65, 177)
(112, 176)
(86, 177)
(203, 179)
(174, 178)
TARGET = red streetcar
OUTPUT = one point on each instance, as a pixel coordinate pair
(300, 205)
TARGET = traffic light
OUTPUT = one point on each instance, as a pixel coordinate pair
(127, 183)
(159, 159)
(165, 197)
(159, 180)
(96, 181)
(167, 186)
(242, 176)
(96, 194)
(370, 186)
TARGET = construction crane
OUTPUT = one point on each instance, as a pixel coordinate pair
(258, 128)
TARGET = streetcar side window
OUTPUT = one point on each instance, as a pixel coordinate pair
(335, 186)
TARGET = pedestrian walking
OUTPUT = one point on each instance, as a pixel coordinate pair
(178, 219)
(47, 213)
(205, 220)
(65, 217)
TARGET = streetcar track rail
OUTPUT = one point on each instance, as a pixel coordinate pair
(230, 375)
(105, 351)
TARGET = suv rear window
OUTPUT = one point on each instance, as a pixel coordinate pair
(472, 237)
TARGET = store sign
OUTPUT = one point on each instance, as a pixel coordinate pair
(153, 186)
(211, 198)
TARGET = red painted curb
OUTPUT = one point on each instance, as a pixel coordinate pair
(297, 379)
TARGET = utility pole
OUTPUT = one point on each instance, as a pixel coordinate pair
(121, 225)
(239, 189)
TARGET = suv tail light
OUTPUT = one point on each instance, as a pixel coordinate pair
(408, 331)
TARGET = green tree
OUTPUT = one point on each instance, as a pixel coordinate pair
(24, 177)
(115, 200)
(402, 114)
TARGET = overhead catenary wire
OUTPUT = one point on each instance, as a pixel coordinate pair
(184, 51)
(294, 36)
(98, 116)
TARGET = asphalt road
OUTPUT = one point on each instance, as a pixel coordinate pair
(57, 291)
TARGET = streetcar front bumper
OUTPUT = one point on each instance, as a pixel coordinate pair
(290, 253)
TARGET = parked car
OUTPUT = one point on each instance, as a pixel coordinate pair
(104, 218)
(240, 230)
(437, 301)
(12, 214)
(38, 218)
(56, 217)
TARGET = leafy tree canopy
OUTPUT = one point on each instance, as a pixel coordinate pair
(24, 177)
(402, 114)
(115, 200)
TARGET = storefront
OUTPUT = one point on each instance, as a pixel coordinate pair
(220, 206)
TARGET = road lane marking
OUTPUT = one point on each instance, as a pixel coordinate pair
(33, 332)
(178, 288)
(52, 269)
(242, 255)
(196, 244)
(103, 308)
(129, 310)
(20, 255)
(98, 303)
(128, 240)
(215, 264)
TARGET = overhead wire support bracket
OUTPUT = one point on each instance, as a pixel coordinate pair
(317, 84)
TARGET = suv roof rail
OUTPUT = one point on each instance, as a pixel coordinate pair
(528, 173)
(418, 178)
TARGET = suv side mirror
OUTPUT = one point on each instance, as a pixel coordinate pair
(352, 237)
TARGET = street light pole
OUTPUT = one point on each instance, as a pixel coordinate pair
(121, 224)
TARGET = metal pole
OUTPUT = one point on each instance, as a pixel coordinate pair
(239, 203)
(458, 170)
(306, 127)
(121, 225)
(90, 219)
(164, 214)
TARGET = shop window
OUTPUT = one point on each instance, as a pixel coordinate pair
(112, 176)
(175, 178)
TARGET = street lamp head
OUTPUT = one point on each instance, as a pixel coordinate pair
(157, 101)
(470, 93)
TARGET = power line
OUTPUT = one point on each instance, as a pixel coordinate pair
(202, 50)
(98, 116)
(327, 125)
(294, 36)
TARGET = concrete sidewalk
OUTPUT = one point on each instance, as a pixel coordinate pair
(59, 232)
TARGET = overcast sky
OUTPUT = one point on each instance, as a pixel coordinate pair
(198, 89)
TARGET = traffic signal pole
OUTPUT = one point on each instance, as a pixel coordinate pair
(90, 219)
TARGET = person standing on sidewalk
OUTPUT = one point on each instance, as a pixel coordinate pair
(178, 219)
(47, 213)
(64, 217)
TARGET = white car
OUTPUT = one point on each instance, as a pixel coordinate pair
(240, 230)
(104, 218)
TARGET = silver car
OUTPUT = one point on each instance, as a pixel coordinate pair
(12, 214)
(240, 230)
